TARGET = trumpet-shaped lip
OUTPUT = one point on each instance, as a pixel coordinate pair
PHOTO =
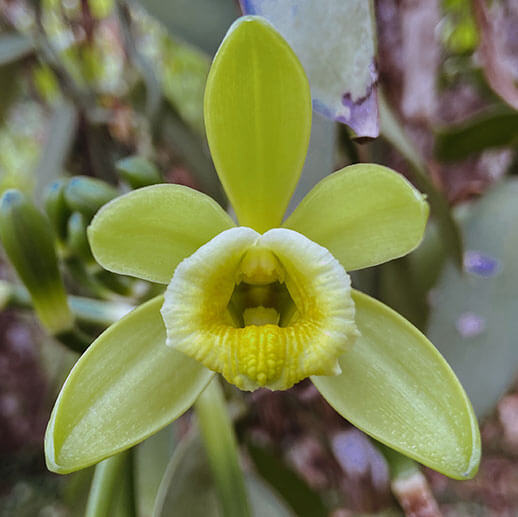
(318, 327)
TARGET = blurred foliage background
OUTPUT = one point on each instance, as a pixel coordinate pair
(112, 91)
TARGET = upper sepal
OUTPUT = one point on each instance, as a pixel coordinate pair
(258, 121)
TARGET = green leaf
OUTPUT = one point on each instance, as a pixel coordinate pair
(397, 388)
(126, 387)
(221, 446)
(28, 240)
(188, 490)
(394, 133)
(148, 232)
(364, 215)
(495, 127)
(473, 315)
(337, 47)
(258, 121)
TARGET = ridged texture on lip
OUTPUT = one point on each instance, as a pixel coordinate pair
(198, 323)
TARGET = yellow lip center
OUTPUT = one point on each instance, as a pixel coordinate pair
(263, 310)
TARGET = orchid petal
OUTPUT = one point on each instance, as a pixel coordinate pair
(397, 388)
(149, 231)
(127, 386)
(364, 214)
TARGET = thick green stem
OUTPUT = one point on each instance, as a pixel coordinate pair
(112, 491)
(221, 446)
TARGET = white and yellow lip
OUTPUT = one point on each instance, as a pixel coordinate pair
(263, 342)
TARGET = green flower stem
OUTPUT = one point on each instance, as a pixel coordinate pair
(400, 466)
(408, 484)
(85, 310)
(112, 483)
(221, 446)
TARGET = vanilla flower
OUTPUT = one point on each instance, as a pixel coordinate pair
(269, 302)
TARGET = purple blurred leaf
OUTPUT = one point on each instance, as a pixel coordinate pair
(335, 42)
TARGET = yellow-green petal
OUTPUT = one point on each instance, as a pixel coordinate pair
(149, 231)
(126, 387)
(397, 387)
(364, 214)
(258, 121)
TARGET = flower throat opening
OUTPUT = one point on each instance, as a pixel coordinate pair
(261, 296)
(261, 305)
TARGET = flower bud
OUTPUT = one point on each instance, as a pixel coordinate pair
(138, 172)
(86, 195)
(76, 237)
(28, 240)
(57, 208)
